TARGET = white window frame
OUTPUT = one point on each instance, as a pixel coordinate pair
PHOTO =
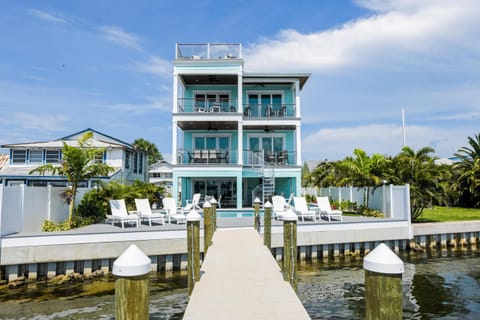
(217, 135)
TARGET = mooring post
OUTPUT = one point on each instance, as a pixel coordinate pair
(214, 204)
(383, 290)
(267, 225)
(193, 247)
(290, 248)
(256, 216)
(207, 226)
(132, 284)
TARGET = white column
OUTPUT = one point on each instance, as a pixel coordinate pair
(175, 93)
(174, 142)
(240, 93)
(297, 99)
(299, 145)
(240, 143)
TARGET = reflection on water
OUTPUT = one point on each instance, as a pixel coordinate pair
(444, 285)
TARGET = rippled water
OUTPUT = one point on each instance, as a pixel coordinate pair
(438, 285)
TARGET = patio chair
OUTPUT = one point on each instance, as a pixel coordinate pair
(172, 212)
(194, 203)
(121, 215)
(145, 212)
(302, 210)
(325, 209)
(279, 206)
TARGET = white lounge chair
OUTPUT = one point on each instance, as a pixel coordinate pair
(145, 212)
(302, 210)
(120, 213)
(173, 212)
(194, 203)
(325, 209)
(279, 206)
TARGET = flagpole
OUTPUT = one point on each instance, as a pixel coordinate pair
(403, 128)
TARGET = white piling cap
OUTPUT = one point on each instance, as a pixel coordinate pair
(132, 262)
(267, 205)
(193, 216)
(207, 204)
(213, 201)
(257, 200)
(383, 260)
(290, 215)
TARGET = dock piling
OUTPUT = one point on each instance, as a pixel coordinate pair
(214, 204)
(290, 248)
(132, 270)
(383, 290)
(256, 215)
(207, 226)
(193, 247)
(267, 226)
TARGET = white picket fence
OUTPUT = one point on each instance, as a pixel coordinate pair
(23, 208)
(392, 201)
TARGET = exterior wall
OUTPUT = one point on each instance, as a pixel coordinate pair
(115, 158)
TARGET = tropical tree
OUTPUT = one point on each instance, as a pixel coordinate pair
(364, 171)
(418, 169)
(78, 164)
(469, 171)
(150, 148)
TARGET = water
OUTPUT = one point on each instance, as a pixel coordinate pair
(437, 285)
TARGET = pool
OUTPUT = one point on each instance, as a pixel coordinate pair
(236, 213)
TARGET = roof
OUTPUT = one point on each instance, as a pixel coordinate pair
(99, 140)
(303, 77)
(312, 164)
(3, 159)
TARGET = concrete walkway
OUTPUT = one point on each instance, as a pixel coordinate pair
(241, 280)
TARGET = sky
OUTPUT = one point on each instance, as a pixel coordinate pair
(107, 64)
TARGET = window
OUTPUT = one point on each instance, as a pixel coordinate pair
(36, 156)
(52, 156)
(212, 142)
(140, 163)
(127, 160)
(208, 100)
(19, 156)
(270, 143)
(135, 162)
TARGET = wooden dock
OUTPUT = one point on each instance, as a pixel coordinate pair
(240, 279)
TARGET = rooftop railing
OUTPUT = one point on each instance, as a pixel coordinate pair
(209, 51)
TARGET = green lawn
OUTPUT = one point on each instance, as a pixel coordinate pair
(442, 214)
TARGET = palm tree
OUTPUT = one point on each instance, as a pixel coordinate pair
(419, 170)
(78, 164)
(469, 169)
(150, 148)
(364, 171)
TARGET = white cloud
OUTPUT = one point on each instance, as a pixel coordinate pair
(46, 16)
(156, 66)
(398, 30)
(153, 103)
(119, 36)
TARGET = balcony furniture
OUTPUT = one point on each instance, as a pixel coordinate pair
(270, 157)
(233, 109)
(223, 156)
(215, 108)
(190, 157)
(212, 156)
(283, 112)
(268, 111)
(247, 112)
(282, 157)
(197, 156)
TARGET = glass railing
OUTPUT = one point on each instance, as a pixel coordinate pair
(195, 105)
(207, 157)
(269, 159)
(209, 51)
(276, 111)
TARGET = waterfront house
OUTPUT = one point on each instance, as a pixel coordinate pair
(236, 134)
(160, 174)
(129, 164)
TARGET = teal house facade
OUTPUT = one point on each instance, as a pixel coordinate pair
(236, 134)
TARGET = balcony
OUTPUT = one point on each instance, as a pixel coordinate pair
(201, 106)
(206, 157)
(269, 159)
(269, 111)
(209, 51)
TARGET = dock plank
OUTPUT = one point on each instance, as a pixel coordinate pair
(240, 279)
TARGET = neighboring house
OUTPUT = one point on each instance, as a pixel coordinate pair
(236, 135)
(129, 165)
(160, 173)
